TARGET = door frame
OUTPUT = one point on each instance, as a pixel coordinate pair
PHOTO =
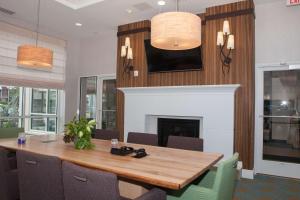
(275, 168)
(100, 78)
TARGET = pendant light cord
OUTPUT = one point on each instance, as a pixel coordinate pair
(38, 22)
(177, 5)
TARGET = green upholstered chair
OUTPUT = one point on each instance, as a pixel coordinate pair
(10, 132)
(215, 185)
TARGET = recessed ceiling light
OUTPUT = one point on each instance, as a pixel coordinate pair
(78, 24)
(161, 3)
(129, 11)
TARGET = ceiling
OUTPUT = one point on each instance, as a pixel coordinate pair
(58, 20)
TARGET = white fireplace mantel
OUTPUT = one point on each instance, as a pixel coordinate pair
(214, 104)
(181, 89)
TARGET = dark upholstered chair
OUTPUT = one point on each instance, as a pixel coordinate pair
(40, 177)
(9, 186)
(187, 143)
(88, 184)
(106, 134)
(142, 138)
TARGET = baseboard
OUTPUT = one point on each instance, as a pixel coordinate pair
(248, 174)
(244, 173)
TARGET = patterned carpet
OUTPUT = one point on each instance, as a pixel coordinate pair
(268, 188)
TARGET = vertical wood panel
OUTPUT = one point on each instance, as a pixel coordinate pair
(241, 72)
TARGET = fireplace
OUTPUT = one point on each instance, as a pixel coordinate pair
(176, 127)
(144, 105)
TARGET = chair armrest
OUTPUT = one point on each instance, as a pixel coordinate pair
(193, 192)
(155, 193)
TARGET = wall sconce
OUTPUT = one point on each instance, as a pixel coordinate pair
(127, 55)
(225, 38)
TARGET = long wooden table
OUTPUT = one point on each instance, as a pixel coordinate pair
(164, 167)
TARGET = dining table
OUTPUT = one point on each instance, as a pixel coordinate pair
(163, 167)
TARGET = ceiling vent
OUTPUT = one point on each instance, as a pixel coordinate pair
(6, 11)
(142, 6)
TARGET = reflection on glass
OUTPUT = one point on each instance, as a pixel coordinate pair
(282, 120)
(39, 101)
(38, 124)
(88, 96)
(52, 101)
(10, 98)
(109, 104)
(51, 124)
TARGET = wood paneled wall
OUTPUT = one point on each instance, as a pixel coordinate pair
(241, 19)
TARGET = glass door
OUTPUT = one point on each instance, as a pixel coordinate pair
(279, 132)
(88, 97)
(98, 100)
(107, 103)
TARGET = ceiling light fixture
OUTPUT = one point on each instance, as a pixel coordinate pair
(78, 24)
(129, 11)
(176, 30)
(161, 3)
(34, 56)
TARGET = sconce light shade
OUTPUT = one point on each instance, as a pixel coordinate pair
(129, 54)
(123, 51)
(230, 43)
(226, 29)
(35, 57)
(127, 42)
(176, 31)
(220, 39)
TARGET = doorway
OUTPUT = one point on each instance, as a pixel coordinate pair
(277, 121)
(98, 100)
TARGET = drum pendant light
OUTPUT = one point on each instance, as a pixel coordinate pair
(33, 56)
(176, 30)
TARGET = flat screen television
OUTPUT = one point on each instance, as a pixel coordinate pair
(160, 60)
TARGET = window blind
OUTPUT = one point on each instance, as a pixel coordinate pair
(11, 74)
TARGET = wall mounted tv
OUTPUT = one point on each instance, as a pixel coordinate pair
(160, 60)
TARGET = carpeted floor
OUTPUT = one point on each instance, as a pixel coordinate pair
(268, 188)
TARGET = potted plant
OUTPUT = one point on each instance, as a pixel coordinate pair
(79, 132)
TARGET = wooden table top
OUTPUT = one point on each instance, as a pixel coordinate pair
(164, 167)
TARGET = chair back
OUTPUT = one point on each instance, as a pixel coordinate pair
(10, 132)
(4, 167)
(81, 183)
(226, 178)
(106, 134)
(186, 143)
(4, 164)
(142, 138)
(40, 177)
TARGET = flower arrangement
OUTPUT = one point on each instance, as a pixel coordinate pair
(80, 132)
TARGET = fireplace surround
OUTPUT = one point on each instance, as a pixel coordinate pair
(213, 104)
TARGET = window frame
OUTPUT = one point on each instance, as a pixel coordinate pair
(44, 116)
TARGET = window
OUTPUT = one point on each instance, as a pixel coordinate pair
(10, 106)
(35, 110)
(44, 110)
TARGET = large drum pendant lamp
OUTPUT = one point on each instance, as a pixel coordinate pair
(33, 56)
(176, 30)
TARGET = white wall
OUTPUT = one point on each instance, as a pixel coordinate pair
(98, 54)
(71, 84)
(88, 57)
(277, 33)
